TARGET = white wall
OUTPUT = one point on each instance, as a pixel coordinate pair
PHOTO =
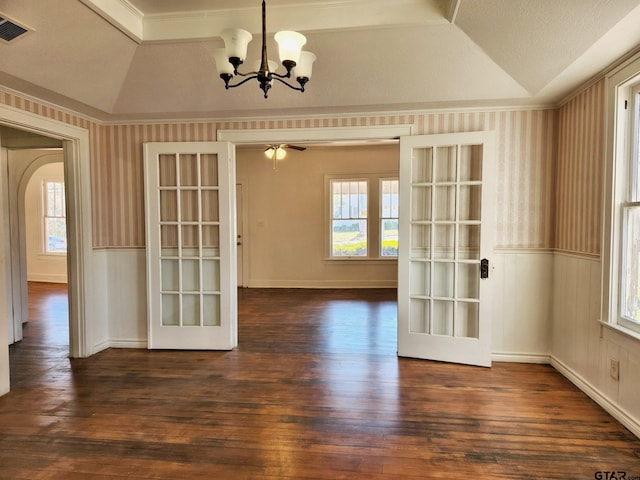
(582, 348)
(42, 267)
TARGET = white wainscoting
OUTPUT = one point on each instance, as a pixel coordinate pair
(522, 313)
(581, 348)
(127, 286)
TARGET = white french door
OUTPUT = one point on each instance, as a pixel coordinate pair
(191, 245)
(447, 198)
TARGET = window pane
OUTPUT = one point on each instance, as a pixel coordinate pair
(389, 238)
(630, 307)
(349, 238)
(349, 205)
(389, 218)
(56, 235)
(55, 231)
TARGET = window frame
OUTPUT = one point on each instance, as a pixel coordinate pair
(373, 217)
(623, 135)
(45, 215)
(366, 218)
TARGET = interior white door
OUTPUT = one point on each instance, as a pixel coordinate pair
(191, 245)
(240, 234)
(447, 225)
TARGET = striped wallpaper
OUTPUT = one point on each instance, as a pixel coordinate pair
(580, 163)
(527, 184)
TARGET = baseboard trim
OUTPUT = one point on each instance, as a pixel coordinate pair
(610, 407)
(47, 278)
(128, 343)
(520, 357)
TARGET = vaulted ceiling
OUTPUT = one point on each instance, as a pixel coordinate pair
(151, 59)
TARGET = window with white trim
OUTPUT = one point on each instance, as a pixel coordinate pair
(54, 217)
(363, 216)
(349, 217)
(629, 228)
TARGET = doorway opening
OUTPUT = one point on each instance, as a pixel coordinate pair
(81, 305)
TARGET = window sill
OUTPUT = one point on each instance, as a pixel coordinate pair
(369, 260)
(622, 330)
(51, 256)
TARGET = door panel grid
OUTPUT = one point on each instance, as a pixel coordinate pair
(190, 225)
(443, 193)
(190, 262)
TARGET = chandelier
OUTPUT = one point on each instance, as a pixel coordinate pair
(296, 62)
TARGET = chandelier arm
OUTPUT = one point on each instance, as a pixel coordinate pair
(227, 86)
(300, 89)
(279, 75)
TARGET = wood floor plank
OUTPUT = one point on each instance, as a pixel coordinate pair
(314, 391)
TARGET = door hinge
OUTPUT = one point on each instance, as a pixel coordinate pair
(484, 268)
(626, 104)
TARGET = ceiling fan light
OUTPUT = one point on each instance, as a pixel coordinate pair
(236, 42)
(280, 153)
(222, 62)
(304, 67)
(290, 45)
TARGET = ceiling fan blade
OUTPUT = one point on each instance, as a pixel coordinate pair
(295, 147)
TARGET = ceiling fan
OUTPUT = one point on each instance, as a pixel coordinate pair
(278, 152)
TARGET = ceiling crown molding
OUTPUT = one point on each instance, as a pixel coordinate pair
(338, 15)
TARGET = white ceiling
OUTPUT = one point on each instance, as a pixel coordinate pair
(151, 59)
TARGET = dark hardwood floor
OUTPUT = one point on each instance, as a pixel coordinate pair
(314, 391)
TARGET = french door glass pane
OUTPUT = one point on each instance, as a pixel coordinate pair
(471, 163)
(468, 280)
(189, 205)
(168, 206)
(467, 319)
(188, 170)
(443, 279)
(444, 241)
(421, 165)
(190, 275)
(170, 274)
(170, 310)
(167, 170)
(191, 310)
(211, 310)
(420, 284)
(470, 197)
(468, 242)
(209, 170)
(445, 165)
(419, 316)
(169, 240)
(420, 241)
(190, 241)
(445, 203)
(442, 318)
(420, 203)
(210, 209)
(211, 275)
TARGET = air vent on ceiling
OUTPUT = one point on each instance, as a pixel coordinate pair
(10, 30)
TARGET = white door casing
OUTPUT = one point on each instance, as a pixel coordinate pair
(447, 225)
(191, 245)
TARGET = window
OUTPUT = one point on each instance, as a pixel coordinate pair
(621, 225)
(363, 216)
(630, 220)
(389, 218)
(54, 218)
(349, 210)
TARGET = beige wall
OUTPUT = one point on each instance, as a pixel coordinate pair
(287, 233)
